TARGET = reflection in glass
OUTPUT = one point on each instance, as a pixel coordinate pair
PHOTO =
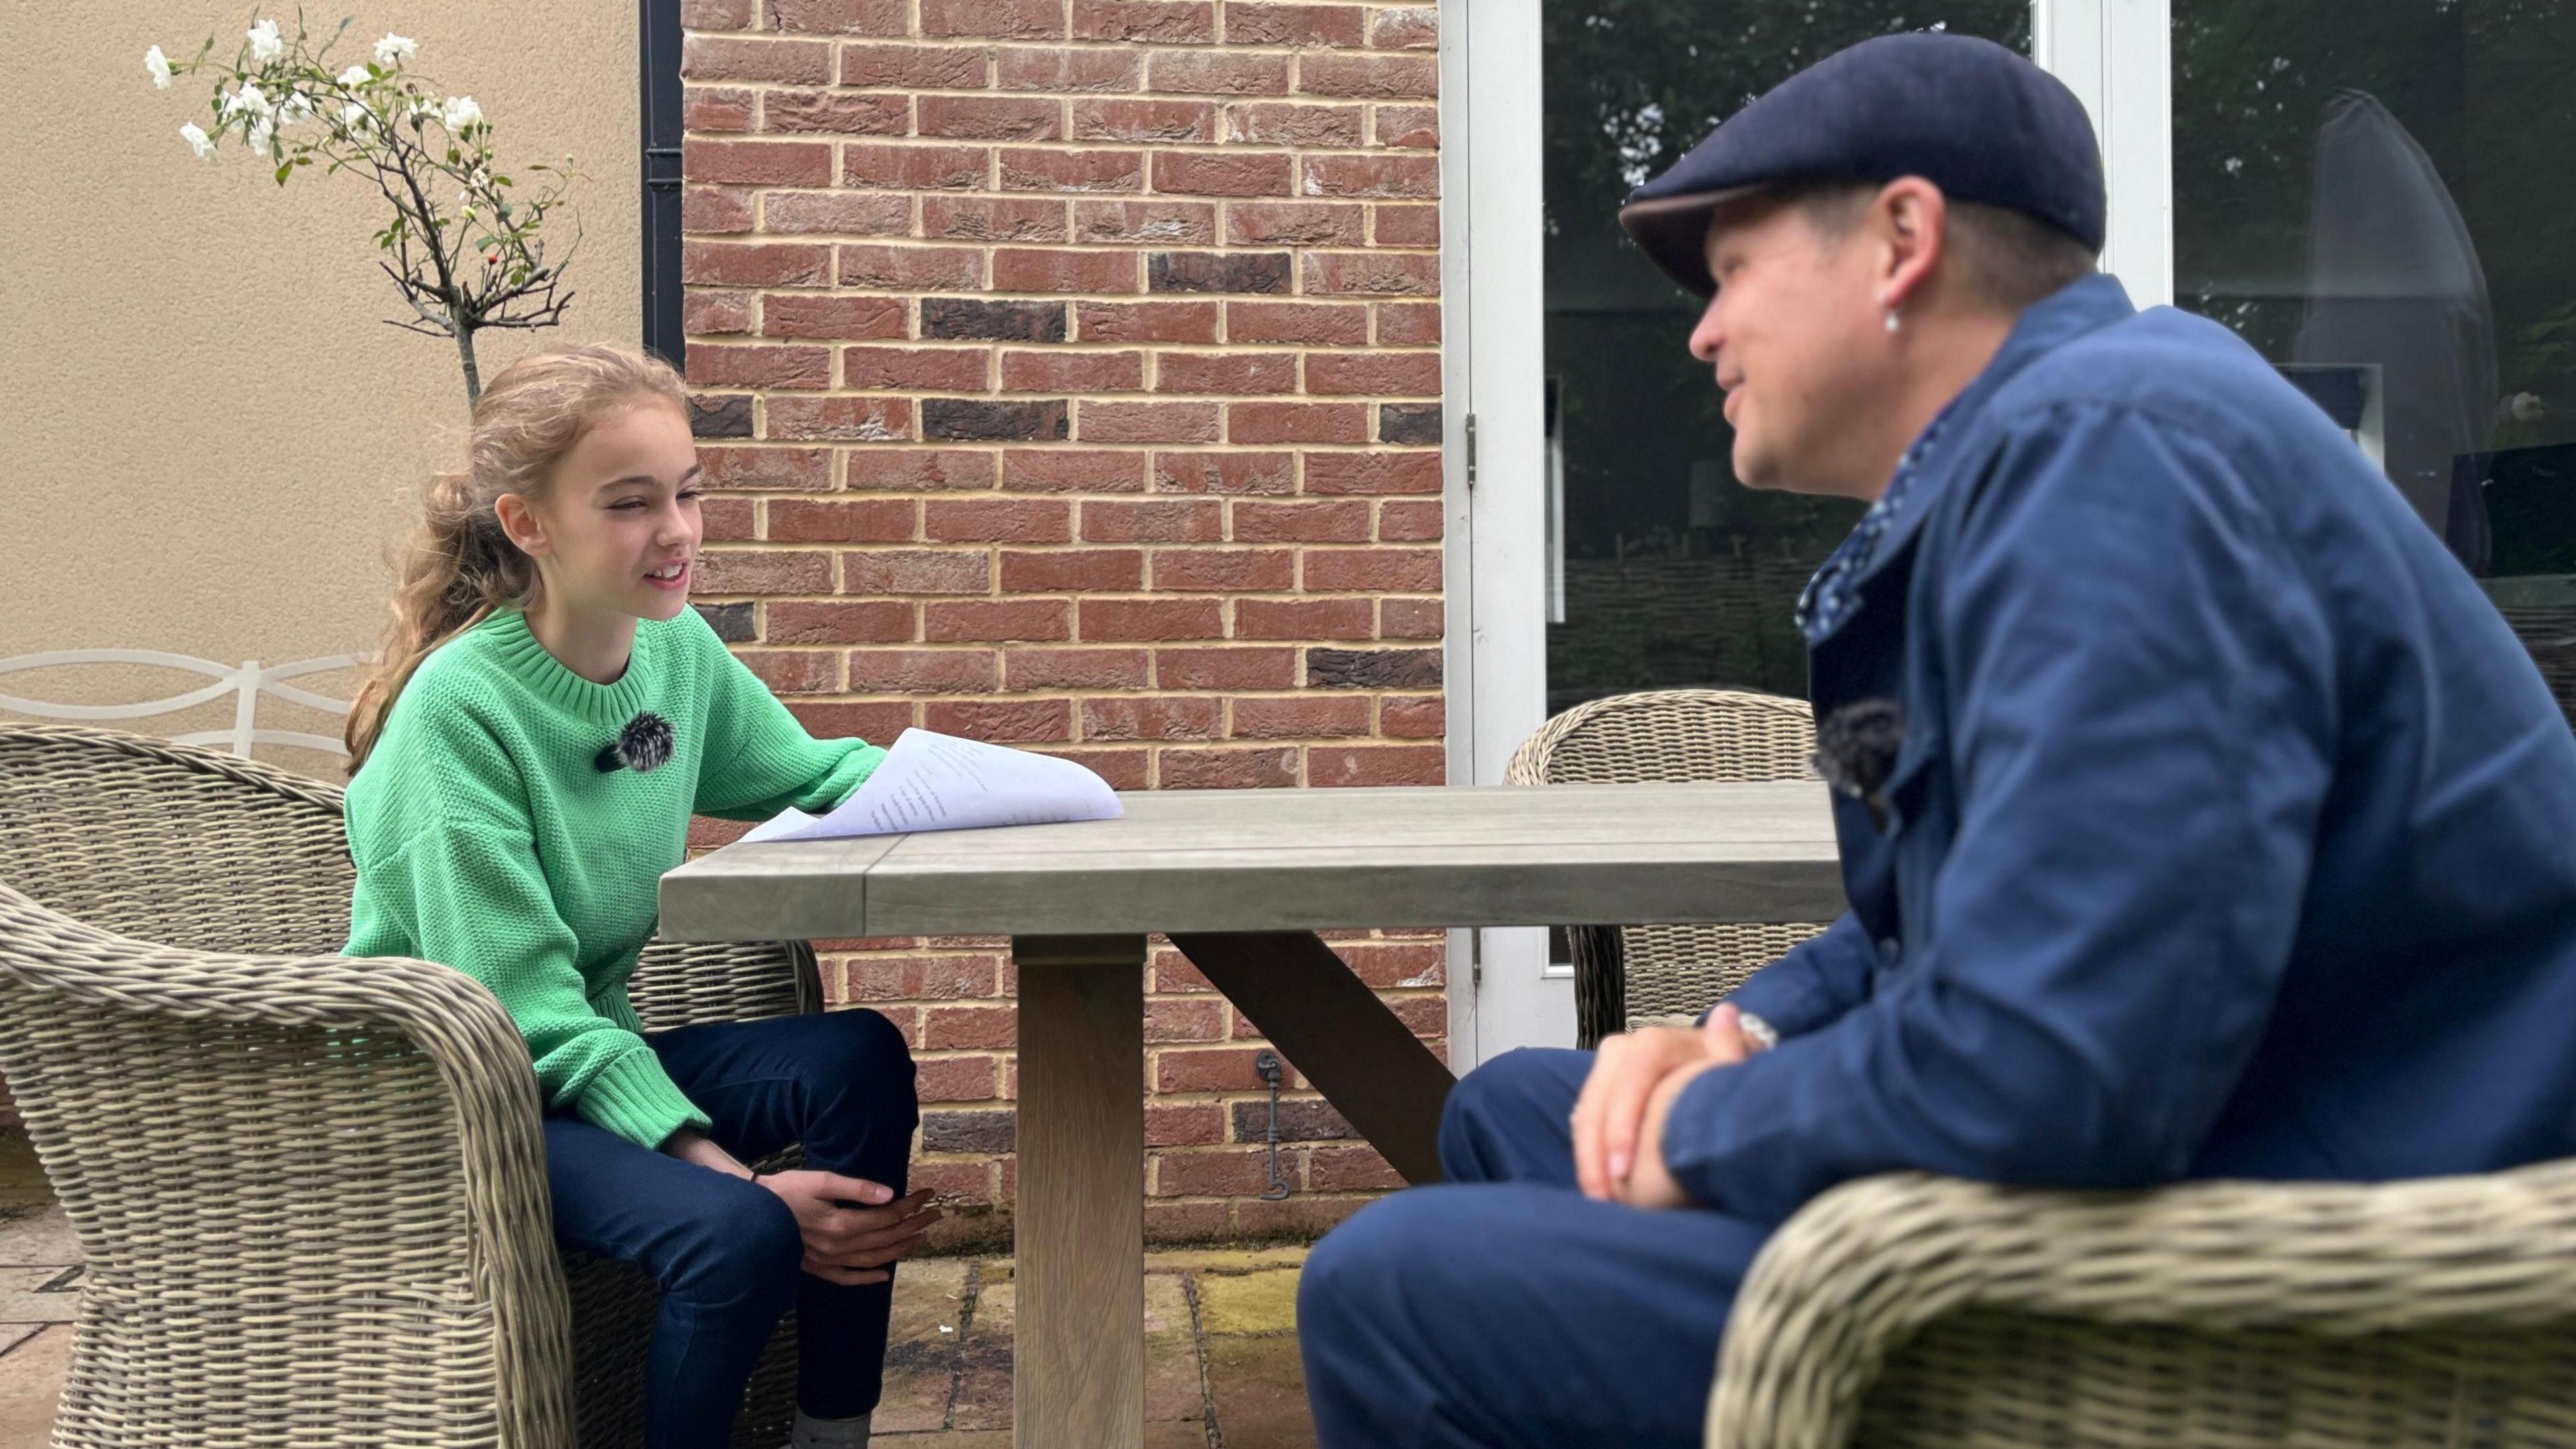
(1672, 574)
(2377, 197)
(2394, 288)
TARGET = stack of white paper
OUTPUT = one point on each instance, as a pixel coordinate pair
(931, 781)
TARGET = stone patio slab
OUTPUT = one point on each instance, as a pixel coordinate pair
(1259, 1386)
(31, 1379)
(37, 1235)
(1264, 1302)
(1221, 1364)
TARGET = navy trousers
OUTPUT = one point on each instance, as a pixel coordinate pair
(727, 1252)
(1504, 1308)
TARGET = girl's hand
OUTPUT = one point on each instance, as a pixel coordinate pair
(691, 1145)
(854, 1229)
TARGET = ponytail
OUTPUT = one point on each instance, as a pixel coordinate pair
(461, 565)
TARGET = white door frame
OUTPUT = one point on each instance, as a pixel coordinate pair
(1493, 358)
(2117, 57)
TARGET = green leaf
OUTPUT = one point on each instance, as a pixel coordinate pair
(283, 171)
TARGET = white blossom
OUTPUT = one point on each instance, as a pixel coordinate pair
(265, 43)
(394, 49)
(356, 76)
(261, 134)
(356, 117)
(159, 64)
(249, 98)
(195, 135)
(459, 113)
(298, 107)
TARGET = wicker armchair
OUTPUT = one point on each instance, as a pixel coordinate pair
(1633, 973)
(1909, 1311)
(311, 1189)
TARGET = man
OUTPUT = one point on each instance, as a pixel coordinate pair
(2199, 816)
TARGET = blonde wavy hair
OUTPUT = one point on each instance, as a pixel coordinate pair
(461, 565)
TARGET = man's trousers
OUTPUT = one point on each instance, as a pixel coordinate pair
(1505, 1309)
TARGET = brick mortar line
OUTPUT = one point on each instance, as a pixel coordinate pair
(841, 39)
(760, 87)
(1080, 248)
(1360, 399)
(1365, 151)
(1092, 347)
(762, 546)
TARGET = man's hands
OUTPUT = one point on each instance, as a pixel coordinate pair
(854, 1229)
(1619, 1118)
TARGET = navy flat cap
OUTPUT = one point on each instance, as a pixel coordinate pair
(1977, 120)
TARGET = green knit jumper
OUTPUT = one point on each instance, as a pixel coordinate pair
(487, 839)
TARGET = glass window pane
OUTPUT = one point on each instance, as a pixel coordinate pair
(1673, 574)
(2378, 197)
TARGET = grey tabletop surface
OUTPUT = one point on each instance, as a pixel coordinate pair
(1296, 859)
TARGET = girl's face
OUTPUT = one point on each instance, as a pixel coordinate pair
(618, 532)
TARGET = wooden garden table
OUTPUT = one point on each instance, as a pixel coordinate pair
(1240, 880)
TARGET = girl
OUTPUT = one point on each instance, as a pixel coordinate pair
(547, 715)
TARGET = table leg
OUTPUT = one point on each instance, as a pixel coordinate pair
(1327, 1022)
(1078, 1368)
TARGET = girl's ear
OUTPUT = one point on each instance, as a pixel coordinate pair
(520, 521)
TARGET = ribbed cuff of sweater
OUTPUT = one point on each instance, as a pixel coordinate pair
(636, 1099)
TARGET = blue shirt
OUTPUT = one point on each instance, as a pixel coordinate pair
(2233, 833)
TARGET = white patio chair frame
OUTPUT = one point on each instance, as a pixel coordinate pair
(246, 682)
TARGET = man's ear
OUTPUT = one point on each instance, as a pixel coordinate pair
(1912, 221)
(519, 520)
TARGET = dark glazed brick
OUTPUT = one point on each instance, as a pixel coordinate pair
(732, 622)
(725, 416)
(1299, 1121)
(969, 1131)
(957, 417)
(1373, 668)
(1216, 272)
(1409, 423)
(957, 318)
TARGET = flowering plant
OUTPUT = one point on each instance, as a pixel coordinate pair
(462, 265)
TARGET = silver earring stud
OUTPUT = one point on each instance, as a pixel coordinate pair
(1891, 319)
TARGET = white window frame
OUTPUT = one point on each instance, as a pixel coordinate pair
(2117, 56)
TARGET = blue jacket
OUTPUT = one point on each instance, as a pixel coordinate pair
(2233, 833)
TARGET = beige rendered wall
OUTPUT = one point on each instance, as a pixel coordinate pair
(215, 438)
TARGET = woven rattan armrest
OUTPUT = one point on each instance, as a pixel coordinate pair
(80, 1005)
(1863, 1268)
(680, 984)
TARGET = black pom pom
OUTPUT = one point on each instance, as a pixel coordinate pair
(645, 744)
(1856, 747)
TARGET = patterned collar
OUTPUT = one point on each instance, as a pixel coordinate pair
(1832, 596)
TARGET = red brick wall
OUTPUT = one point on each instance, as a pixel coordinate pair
(1068, 375)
